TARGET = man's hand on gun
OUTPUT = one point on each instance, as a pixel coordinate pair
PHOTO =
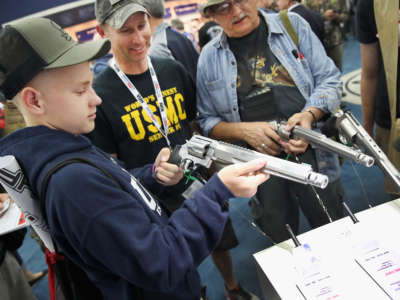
(166, 173)
(241, 179)
(321, 141)
(303, 119)
(244, 178)
(262, 137)
(201, 151)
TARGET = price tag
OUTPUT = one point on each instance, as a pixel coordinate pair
(382, 264)
(376, 257)
(315, 280)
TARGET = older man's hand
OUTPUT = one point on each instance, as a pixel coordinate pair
(303, 119)
(262, 137)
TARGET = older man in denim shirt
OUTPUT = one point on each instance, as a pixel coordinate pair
(252, 73)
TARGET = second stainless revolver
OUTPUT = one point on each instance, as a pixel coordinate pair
(321, 141)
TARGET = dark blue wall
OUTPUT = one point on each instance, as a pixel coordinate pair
(14, 9)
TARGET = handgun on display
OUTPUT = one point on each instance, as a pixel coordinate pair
(352, 132)
(202, 151)
(319, 140)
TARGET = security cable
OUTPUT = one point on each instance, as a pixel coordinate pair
(321, 203)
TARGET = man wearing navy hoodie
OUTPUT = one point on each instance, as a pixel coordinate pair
(116, 232)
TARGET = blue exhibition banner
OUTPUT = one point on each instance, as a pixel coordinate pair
(181, 10)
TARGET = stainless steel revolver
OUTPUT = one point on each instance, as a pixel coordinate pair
(351, 131)
(202, 151)
(321, 141)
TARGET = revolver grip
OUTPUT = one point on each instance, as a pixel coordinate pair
(175, 158)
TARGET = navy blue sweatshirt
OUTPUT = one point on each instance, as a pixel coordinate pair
(120, 237)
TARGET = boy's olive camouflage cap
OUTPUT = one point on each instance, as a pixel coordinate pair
(31, 45)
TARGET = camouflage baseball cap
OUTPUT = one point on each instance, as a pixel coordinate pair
(210, 3)
(116, 12)
(202, 10)
(31, 45)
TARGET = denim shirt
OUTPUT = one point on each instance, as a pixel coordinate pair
(313, 72)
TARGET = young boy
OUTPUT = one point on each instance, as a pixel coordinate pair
(115, 231)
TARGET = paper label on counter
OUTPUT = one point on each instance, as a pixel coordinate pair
(382, 264)
(315, 280)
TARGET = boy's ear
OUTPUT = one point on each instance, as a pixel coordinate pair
(30, 99)
(100, 31)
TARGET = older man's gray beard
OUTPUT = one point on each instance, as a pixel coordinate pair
(239, 18)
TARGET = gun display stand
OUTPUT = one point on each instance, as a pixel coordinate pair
(276, 269)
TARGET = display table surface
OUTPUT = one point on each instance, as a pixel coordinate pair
(276, 266)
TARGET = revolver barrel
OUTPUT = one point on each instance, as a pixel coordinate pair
(200, 150)
(321, 141)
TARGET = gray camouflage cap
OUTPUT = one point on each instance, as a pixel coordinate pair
(210, 3)
(116, 12)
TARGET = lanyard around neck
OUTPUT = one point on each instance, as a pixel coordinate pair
(131, 87)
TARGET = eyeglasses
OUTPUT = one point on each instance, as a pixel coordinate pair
(226, 7)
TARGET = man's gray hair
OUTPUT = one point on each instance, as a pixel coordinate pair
(154, 7)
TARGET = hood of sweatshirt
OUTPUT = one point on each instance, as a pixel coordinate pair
(35, 147)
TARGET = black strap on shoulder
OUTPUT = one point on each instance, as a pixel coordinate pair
(60, 165)
(74, 282)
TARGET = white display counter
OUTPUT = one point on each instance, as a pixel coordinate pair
(334, 245)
